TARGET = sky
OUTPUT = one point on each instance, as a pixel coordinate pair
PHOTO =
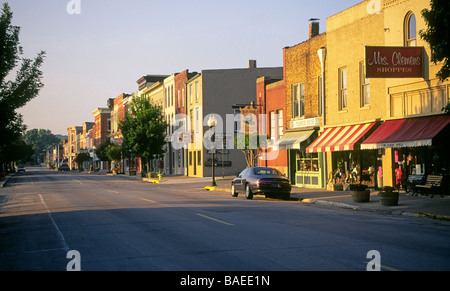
(99, 49)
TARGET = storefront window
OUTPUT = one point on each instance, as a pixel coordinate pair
(353, 166)
(307, 162)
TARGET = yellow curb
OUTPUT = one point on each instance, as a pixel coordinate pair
(433, 216)
(209, 188)
(155, 181)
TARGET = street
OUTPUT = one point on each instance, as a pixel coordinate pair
(117, 223)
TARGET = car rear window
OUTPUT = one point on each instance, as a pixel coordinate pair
(266, 171)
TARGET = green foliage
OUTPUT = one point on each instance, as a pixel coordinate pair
(437, 34)
(102, 151)
(14, 94)
(144, 130)
(81, 158)
(40, 139)
(250, 145)
(18, 152)
(114, 152)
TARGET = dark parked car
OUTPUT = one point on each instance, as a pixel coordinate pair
(21, 168)
(261, 181)
(64, 167)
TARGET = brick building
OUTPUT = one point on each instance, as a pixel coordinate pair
(271, 98)
(102, 131)
(303, 80)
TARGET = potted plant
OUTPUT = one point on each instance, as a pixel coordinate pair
(360, 193)
(388, 196)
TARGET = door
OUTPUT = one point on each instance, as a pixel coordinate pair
(195, 163)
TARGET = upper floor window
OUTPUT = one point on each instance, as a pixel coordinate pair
(298, 100)
(342, 88)
(365, 85)
(410, 30)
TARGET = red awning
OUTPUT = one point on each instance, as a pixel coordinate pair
(401, 133)
(339, 138)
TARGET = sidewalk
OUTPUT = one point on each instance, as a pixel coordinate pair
(417, 206)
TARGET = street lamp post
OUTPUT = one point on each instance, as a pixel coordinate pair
(212, 123)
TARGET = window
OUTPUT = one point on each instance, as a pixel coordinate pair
(190, 93)
(179, 99)
(365, 85)
(197, 120)
(190, 158)
(273, 126)
(191, 120)
(298, 100)
(410, 30)
(199, 158)
(276, 125)
(320, 93)
(196, 92)
(342, 88)
(182, 97)
(280, 123)
(172, 96)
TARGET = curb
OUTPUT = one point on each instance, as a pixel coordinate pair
(324, 202)
(352, 207)
(3, 183)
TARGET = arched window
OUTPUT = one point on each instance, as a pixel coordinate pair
(410, 30)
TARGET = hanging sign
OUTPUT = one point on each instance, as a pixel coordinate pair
(394, 62)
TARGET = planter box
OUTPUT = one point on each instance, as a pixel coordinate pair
(361, 196)
(388, 198)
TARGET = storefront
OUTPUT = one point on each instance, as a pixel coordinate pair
(419, 146)
(346, 162)
(305, 170)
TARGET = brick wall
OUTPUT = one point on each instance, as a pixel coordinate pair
(302, 65)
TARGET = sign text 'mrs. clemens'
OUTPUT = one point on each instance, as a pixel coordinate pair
(394, 62)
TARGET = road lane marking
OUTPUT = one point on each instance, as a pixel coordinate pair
(79, 182)
(59, 233)
(385, 267)
(112, 191)
(151, 201)
(214, 219)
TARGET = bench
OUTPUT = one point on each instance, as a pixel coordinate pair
(433, 185)
(411, 183)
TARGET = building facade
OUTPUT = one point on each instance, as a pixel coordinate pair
(304, 81)
(214, 92)
(72, 145)
(369, 88)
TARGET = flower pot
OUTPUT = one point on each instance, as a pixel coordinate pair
(388, 198)
(361, 196)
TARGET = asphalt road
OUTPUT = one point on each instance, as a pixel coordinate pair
(114, 223)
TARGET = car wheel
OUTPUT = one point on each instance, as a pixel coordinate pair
(287, 196)
(248, 192)
(233, 191)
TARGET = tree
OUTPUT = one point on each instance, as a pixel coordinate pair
(81, 158)
(41, 139)
(437, 34)
(144, 130)
(18, 152)
(114, 153)
(102, 151)
(250, 145)
(15, 94)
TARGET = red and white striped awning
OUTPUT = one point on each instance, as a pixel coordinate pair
(341, 138)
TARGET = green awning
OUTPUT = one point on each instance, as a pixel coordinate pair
(292, 140)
